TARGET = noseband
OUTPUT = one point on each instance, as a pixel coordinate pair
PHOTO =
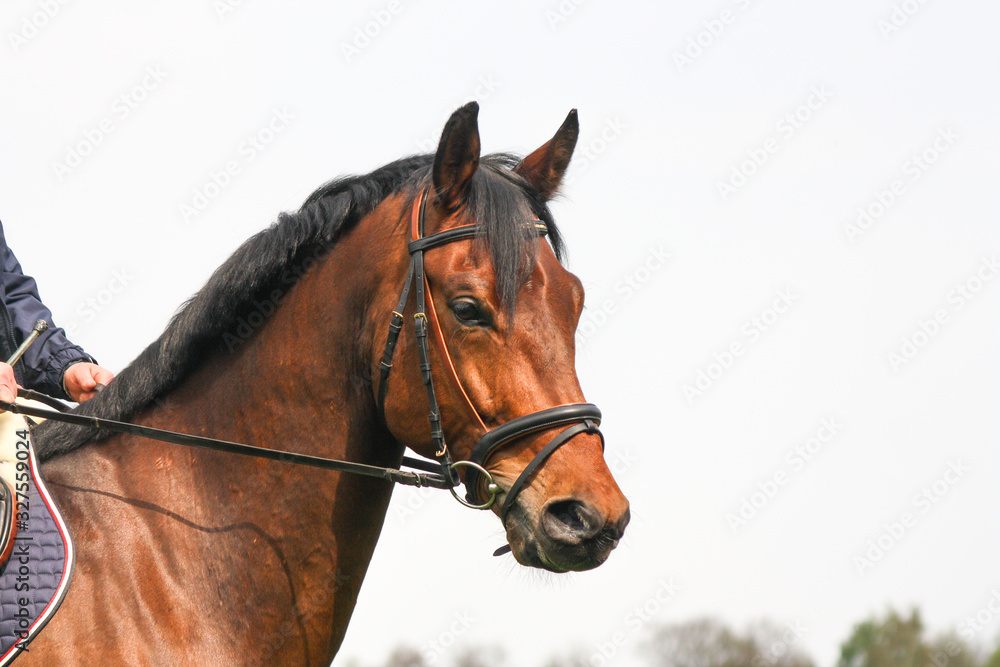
(577, 417)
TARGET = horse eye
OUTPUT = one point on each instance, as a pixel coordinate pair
(467, 312)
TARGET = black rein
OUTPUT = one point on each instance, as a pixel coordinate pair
(389, 474)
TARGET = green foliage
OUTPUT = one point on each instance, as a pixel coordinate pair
(898, 641)
(889, 643)
(994, 660)
(892, 640)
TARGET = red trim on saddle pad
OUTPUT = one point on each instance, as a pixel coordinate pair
(58, 591)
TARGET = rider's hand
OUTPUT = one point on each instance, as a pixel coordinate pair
(81, 380)
(8, 385)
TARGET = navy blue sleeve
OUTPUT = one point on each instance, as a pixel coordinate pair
(42, 366)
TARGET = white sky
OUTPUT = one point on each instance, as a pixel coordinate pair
(114, 257)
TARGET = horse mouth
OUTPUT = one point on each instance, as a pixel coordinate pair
(534, 548)
(532, 554)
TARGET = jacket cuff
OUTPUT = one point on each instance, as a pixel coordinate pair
(54, 383)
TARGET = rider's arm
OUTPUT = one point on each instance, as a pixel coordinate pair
(43, 365)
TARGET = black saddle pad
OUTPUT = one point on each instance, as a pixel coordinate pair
(35, 579)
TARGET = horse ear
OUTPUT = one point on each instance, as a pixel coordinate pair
(457, 157)
(545, 167)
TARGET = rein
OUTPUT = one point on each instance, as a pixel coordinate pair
(390, 474)
(441, 474)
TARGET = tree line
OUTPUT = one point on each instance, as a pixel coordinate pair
(892, 639)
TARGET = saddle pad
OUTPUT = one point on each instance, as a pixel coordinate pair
(34, 581)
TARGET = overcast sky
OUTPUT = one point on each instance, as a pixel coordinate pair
(784, 214)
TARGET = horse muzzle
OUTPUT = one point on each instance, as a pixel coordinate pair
(568, 533)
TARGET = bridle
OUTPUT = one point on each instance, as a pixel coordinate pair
(578, 417)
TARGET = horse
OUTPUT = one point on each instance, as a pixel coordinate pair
(190, 556)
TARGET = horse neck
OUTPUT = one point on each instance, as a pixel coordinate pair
(300, 382)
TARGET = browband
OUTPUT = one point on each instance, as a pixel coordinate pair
(457, 234)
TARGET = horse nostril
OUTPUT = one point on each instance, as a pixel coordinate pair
(571, 521)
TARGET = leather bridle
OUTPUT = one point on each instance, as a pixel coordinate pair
(577, 417)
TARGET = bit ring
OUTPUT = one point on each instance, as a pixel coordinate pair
(491, 486)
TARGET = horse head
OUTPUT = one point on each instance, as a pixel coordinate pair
(503, 311)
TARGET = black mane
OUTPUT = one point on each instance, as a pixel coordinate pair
(499, 200)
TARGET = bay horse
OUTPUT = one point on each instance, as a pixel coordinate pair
(188, 556)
